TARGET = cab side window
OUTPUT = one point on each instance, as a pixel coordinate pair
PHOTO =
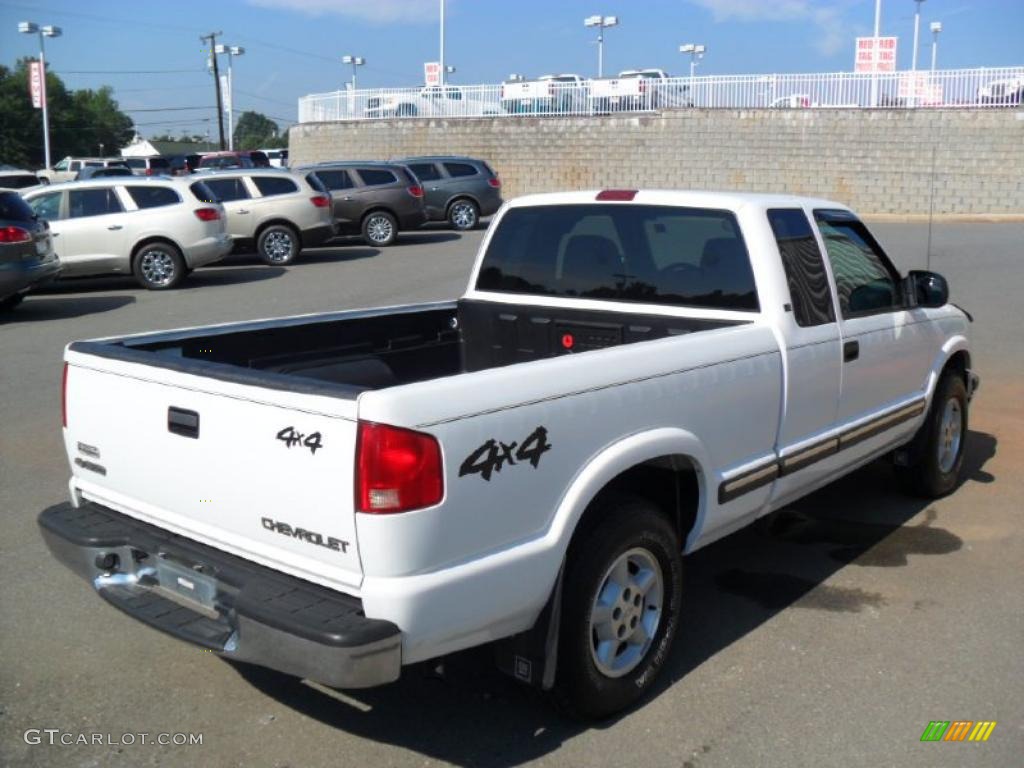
(866, 281)
(93, 202)
(46, 206)
(809, 291)
(227, 190)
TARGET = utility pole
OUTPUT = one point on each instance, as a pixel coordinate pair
(874, 63)
(212, 38)
(441, 60)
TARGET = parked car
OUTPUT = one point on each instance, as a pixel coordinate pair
(226, 160)
(27, 258)
(67, 168)
(1009, 92)
(157, 229)
(377, 200)
(272, 211)
(183, 165)
(432, 101)
(548, 94)
(629, 377)
(456, 189)
(92, 172)
(149, 166)
(278, 158)
(639, 89)
(20, 180)
(792, 101)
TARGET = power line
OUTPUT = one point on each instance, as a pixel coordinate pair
(166, 109)
(95, 17)
(128, 71)
(265, 98)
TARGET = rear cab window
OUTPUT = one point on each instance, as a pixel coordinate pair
(274, 185)
(809, 291)
(152, 197)
(636, 253)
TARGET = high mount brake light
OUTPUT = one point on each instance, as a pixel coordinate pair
(616, 194)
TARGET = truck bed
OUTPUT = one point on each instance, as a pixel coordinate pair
(346, 353)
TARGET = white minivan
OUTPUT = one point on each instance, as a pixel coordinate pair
(158, 230)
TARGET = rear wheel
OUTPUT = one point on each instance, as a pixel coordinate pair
(158, 266)
(11, 302)
(463, 215)
(380, 228)
(620, 608)
(938, 447)
(277, 245)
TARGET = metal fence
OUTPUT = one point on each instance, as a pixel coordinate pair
(986, 87)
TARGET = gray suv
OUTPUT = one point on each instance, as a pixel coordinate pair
(376, 200)
(458, 190)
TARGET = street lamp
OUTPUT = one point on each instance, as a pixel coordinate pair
(602, 23)
(936, 27)
(231, 51)
(696, 51)
(31, 28)
(355, 61)
(917, 32)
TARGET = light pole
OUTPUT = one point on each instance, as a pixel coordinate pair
(874, 63)
(696, 51)
(936, 27)
(355, 61)
(31, 28)
(917, 33)
(602, 23)
(231, 51)
(441, 71)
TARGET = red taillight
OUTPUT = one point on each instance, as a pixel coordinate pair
(495, 182)
(207, 214)
(616, 194)
(14, 235)
(320, 201)
(149, 171)
(805, 102)
(64, 396)
(415, 191)
(397, 470)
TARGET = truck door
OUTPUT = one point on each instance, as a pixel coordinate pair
(813, 349)
(888, 347)
(92, 238)
(344, 200)
(234, 195)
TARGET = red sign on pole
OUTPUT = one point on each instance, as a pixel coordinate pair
(875, 54)
(35, 83)
(431, 73)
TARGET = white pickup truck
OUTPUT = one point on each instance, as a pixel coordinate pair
(629, 376)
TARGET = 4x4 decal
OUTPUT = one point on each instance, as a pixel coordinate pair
(494, 454)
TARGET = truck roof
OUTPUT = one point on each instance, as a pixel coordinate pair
(731, 201)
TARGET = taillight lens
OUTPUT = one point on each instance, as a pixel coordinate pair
(14, 235)
(320, 201)
(415, 191)
(64, 396)
(207, 214)
(495, 182)
(397, 470)
(149, 171)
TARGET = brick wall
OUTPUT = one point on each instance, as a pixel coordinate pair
(876, 161)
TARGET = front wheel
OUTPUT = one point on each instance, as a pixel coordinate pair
(380, 228)
(939, 449)
(463, 215)
(620, 608)
(277, 245)
(159, 266)
(10, 302)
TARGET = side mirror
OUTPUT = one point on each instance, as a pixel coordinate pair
(926, 289)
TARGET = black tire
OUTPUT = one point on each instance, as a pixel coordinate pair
(278, 245)
(380, 229)
(158, 266)
(625, 525)
(463, 215)
(936, 461)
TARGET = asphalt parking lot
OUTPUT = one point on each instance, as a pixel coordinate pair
(830, 635)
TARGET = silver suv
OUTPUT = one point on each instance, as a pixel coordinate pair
(272, 210)
(158, 229)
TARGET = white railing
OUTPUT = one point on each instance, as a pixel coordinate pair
(986, 87)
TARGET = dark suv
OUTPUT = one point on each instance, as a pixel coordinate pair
(222, 160)
(375, 199)
(27, 259)
(458, 190)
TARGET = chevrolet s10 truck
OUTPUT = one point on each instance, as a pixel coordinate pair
(629, 376)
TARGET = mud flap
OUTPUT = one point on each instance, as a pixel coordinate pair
(531, 657)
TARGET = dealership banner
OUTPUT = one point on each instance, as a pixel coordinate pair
(35, 84)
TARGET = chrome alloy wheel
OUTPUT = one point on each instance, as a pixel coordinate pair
(626, 612)
(379, 229)
(950, 430)
(463, 215)
(157, 266)
(278, 246)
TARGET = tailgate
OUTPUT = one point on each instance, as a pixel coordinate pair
(263, 474)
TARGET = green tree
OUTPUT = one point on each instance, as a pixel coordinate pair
(255, 130)
(79, 120)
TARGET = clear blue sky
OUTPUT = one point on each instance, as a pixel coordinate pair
(293, 46)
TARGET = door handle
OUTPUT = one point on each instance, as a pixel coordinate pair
(851, 351)
(183, 422)
(55, 234)
(434, 189)
(241, 211)
(115, 226)
(348, 199)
